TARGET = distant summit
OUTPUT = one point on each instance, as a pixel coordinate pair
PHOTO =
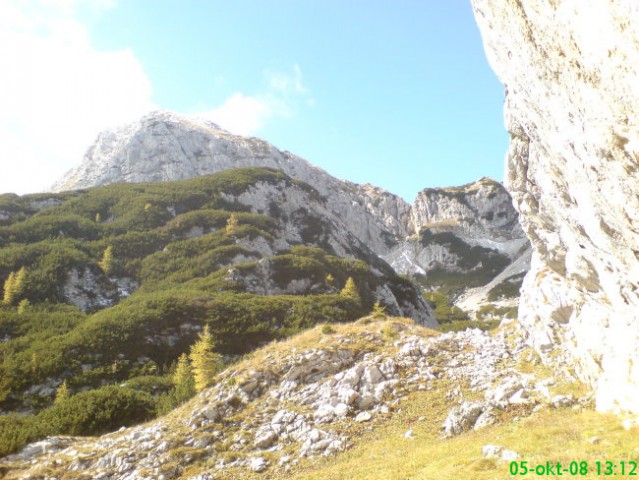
(165, 146)
(446, 234)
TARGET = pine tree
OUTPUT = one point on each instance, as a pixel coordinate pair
(182, 378)
(378, 310)
(34, 364)
(98, 218)
(23, 305)
(14, 286)
(62, 393)
(9, 289)
(106, 264)
(204, 361)
(19, 282)
(350, 290)
(231, 224)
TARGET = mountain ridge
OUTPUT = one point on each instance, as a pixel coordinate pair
(164, 145)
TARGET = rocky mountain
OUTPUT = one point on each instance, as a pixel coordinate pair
(250, 252)
(446, 235)
(466, 237)
(570, 69)
(164, 146)
(397, 397)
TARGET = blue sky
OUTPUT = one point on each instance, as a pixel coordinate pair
(395, 93)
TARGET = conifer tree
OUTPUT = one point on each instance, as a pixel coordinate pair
(350, 290)
(34, 363)
(19, 283)
(23, 305)
(62, 393)
(183, 380)
(9, 289)
(98, 218)
(14, 286)
(106, 264)
(378, 310)
(231, 224)
(204, 361)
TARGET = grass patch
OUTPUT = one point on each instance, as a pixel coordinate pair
(548, 435)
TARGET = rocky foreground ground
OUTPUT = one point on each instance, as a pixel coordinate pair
(311, 396)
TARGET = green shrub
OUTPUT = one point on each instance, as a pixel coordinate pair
(509, 288)
(459, 325)
(445, 311)
(490, 311)
(97, 411)
(88, 413)
(16, 431)
(327, 329)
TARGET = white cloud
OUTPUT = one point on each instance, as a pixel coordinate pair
(287, 84)
(247, 114)
(57, 91)
(240, 114)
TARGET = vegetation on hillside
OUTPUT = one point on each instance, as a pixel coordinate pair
(476, 265)
(160, 264)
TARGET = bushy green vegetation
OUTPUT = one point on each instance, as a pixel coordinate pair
(174, 242)
(478, 265)
(490, 312)
(87, 413)
(459, 325)
(445, 311)
(509, 288)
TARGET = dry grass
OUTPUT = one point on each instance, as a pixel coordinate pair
(547, 435)
(379, 449)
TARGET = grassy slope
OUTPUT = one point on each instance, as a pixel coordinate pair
(379, 449)
(550, 435)
(555, 435)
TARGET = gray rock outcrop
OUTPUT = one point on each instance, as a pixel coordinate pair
(571, 72)
(468, 235)
(479, 214)
(482, 209)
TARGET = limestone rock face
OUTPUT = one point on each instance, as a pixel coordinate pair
(482, 209)
(91, 291)
(467, 235)
(164, 146)
(571, 71)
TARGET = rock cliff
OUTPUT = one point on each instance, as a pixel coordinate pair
(482, 209)
(570, 69)
(466, 237)
(479, 214)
